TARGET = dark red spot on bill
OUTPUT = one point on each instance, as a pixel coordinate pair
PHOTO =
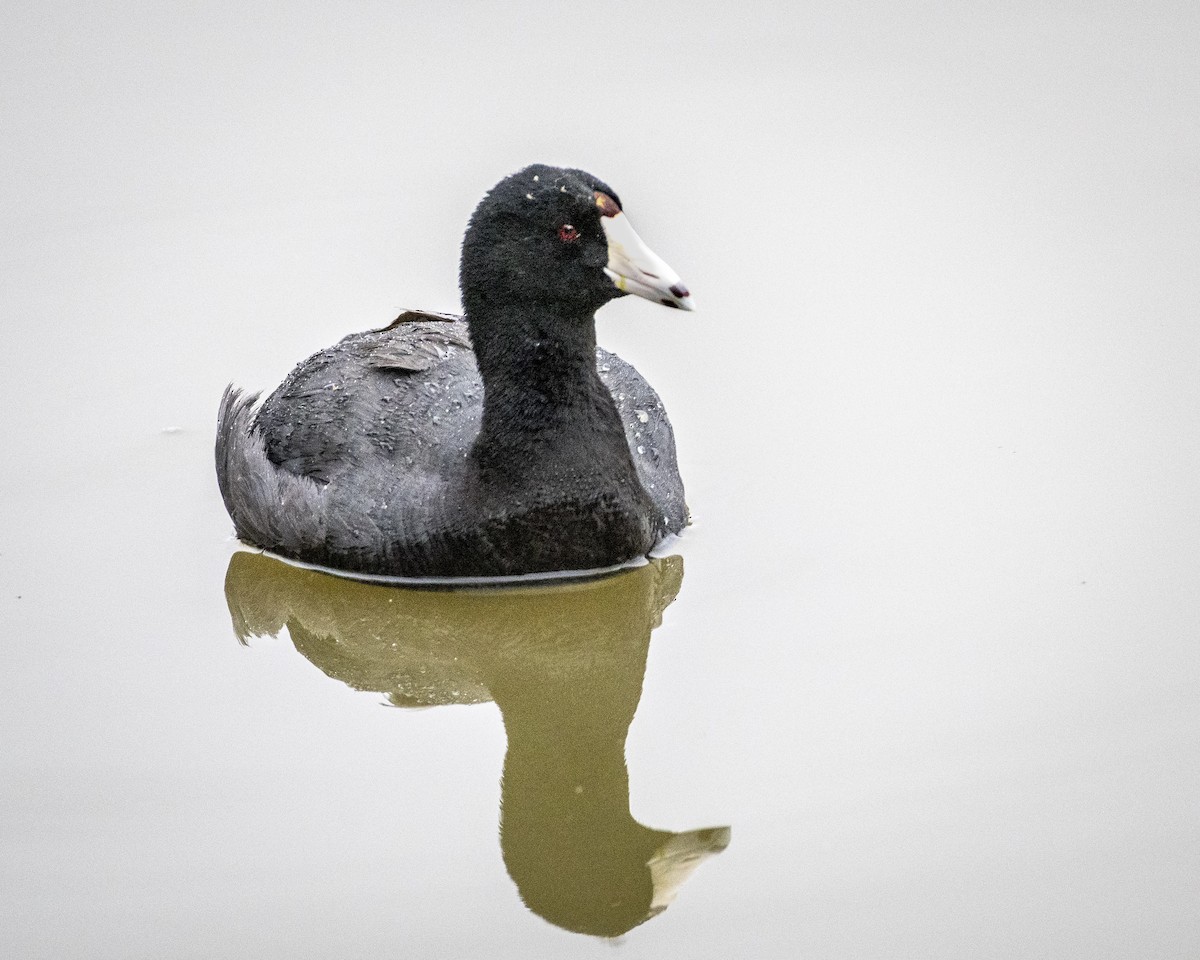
(608, 206)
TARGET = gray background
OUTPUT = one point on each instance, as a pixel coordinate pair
(935, 657)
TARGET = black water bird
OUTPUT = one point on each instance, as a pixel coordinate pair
(504, 442)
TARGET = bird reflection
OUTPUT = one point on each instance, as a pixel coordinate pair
(563, 662)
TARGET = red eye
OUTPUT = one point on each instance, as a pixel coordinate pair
(567, 233)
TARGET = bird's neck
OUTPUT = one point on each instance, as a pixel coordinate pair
(542, 393)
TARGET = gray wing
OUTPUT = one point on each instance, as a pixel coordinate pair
(354, 408)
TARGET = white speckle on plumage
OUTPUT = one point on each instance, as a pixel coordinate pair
(536, 178)
(529, 196)
(642, 415)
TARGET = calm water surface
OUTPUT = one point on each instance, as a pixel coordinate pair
(923, 680)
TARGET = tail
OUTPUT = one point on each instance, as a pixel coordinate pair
(269, 507)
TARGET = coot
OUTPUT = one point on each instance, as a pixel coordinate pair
(499, 443)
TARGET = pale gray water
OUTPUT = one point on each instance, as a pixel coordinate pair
(934, 658)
